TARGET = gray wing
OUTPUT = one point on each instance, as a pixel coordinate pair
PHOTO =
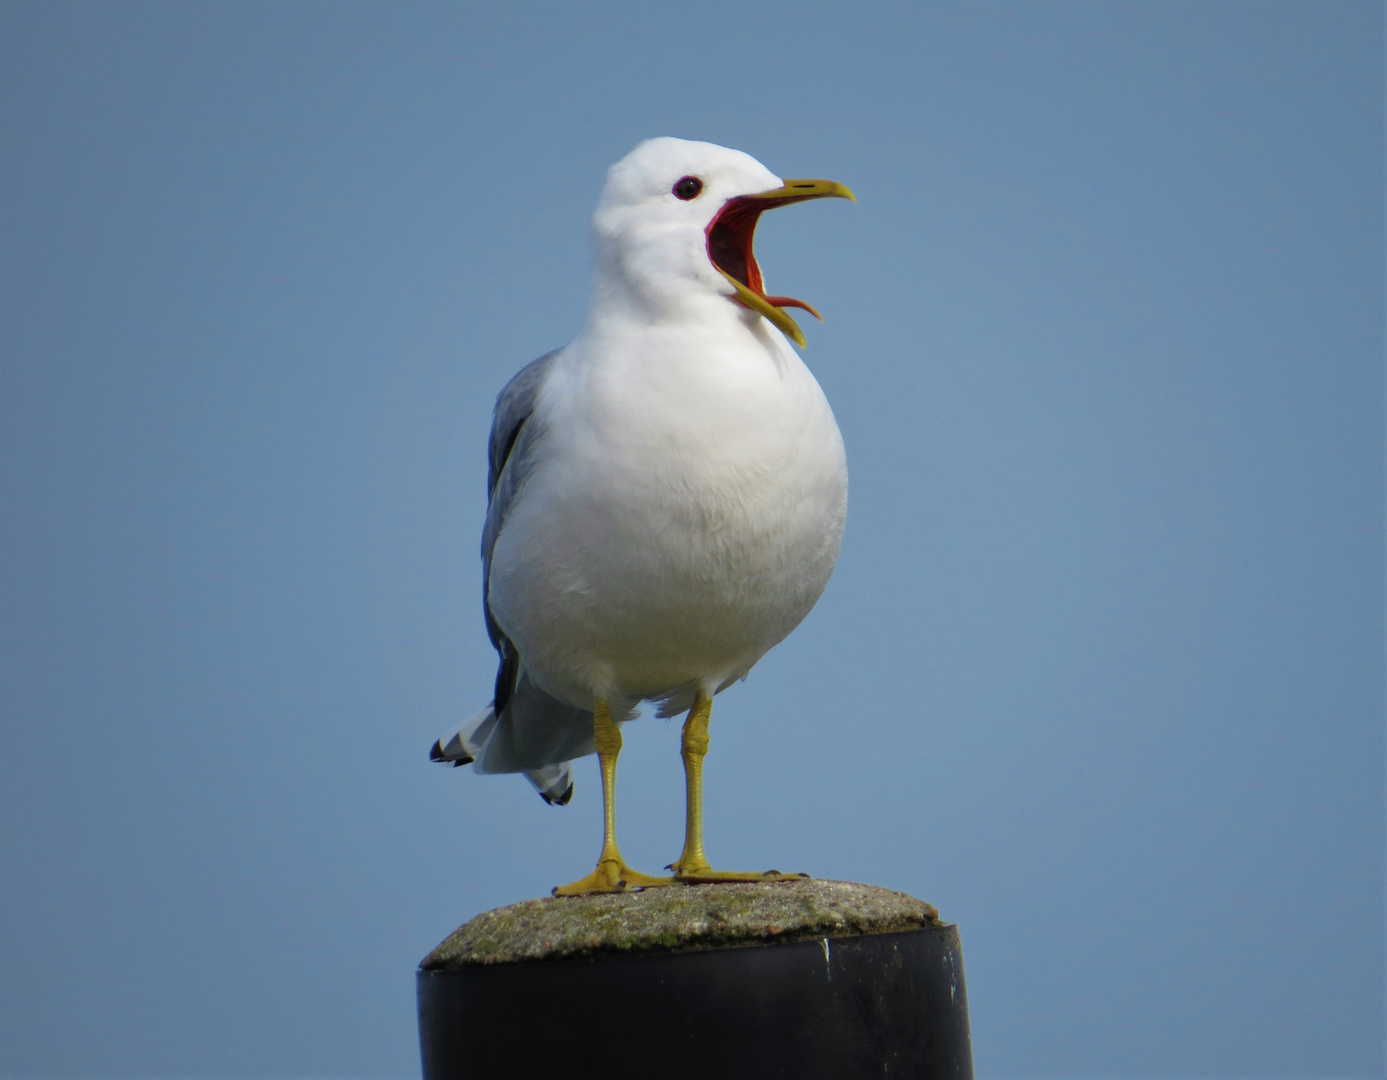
(514, 404)
(512, 436)
(524, 729)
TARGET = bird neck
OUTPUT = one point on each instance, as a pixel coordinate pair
(626, 298)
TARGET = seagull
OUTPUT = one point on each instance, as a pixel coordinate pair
(666, 494)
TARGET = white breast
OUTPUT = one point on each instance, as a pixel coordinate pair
(684, 514)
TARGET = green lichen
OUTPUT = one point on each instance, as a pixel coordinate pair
(678, 918)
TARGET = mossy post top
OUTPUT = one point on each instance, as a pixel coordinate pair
(678, 918)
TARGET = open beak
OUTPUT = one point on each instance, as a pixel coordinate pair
(730, 234)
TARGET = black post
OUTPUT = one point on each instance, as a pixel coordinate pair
(838, 1006)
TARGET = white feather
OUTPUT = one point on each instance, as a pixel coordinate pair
(686, 503)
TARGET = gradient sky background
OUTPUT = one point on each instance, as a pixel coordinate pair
(1100, 672)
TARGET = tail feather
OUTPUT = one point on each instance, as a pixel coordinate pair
(453, 754)
(464, 745)
(553, 782)
(536, 735)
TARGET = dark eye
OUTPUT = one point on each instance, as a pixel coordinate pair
(688, 188)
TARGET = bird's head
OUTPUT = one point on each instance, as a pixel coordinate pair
(677, 219)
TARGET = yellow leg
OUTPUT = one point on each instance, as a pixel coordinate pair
(692, 865)
(612, 874)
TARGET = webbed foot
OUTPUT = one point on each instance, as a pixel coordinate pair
(706, 875)
(611, 875)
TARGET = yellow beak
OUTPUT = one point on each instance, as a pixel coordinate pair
(730, 238)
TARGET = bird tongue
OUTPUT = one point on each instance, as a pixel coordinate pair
(790, 301)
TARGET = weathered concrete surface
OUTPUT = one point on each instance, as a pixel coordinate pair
(680, 917)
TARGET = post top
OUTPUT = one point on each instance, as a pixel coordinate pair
(678, 918)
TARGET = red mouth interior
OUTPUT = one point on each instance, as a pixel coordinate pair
(730, 236)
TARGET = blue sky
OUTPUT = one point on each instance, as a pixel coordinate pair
(1099, 674)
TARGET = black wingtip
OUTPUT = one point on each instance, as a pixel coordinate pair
(436, 754)
(559, 800)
